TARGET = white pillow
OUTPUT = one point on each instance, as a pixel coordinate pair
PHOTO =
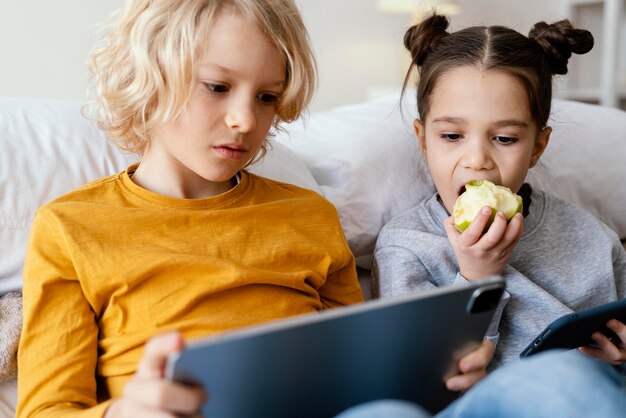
(48, 148)
(282, 164)
(585, 162)
(365, 158)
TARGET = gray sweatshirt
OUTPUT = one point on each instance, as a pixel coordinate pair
(565, 261)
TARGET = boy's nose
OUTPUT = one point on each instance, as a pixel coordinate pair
(241, 116)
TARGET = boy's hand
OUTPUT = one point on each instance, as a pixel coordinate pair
(148, 394)
(480, 255)
(473, 367)
(612, 352)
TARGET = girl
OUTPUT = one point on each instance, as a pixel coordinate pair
(484, 97)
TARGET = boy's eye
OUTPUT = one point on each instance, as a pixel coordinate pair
(451, 137)
(216, 88)
(268, 98)
(506, 140)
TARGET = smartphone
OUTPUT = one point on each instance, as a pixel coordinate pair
(574, 330)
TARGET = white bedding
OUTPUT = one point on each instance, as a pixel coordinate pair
(364, 158)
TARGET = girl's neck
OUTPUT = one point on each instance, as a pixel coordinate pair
(525, 192)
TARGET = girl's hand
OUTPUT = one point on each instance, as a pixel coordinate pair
(480, 255)
(148, 394)
(473, 367)
(612, 352)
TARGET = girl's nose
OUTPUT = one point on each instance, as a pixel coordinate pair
(477, 155)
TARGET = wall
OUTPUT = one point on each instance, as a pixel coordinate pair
(44, 44)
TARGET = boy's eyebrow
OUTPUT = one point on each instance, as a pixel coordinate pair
(230, 71)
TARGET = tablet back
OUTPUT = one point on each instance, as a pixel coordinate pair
(318, 365)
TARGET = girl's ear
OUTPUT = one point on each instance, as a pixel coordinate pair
(419, 132)
(540, 145)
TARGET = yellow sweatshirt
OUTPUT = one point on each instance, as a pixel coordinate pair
(111, 264)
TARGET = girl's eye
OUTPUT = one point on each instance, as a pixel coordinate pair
(217, 88)
(451, 137)
(268, 98)
(506, 140)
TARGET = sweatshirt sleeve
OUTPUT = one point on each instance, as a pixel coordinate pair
(58, 351)
(396, 270)
(619, 268)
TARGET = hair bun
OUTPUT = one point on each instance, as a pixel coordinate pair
(422, 38)
(559, 40)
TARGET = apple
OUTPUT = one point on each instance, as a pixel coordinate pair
(480, 193)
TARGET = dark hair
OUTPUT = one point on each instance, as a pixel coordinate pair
(533, 59)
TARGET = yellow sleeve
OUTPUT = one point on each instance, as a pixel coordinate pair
(342, 284)
(58, 351)
(341, 288)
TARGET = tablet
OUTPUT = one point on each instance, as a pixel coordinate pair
(574, 330)
(318, 365)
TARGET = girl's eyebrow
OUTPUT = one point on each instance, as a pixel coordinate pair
(512, 122)
(448, 119)
(500, 123)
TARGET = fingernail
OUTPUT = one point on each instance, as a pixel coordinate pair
(452, 384)
(486, 210)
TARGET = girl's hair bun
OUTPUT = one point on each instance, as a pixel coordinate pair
(559, 40)
(422, 38)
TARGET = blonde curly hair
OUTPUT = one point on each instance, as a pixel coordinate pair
(142, 69)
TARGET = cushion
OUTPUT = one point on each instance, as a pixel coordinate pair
(363, 157)
(585, 161)
(48, 149)
(366, 159)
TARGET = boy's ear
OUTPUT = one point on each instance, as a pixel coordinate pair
(419, 132)
(540, 145)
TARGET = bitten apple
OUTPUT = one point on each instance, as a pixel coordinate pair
(480, 193)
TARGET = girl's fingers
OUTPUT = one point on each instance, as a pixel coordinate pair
(493, 237)
(474, 232)
(619, 328)
(477, 359)
(514, 230)
(606, 351)
(464, 381)
(473, 367)
(451, 231)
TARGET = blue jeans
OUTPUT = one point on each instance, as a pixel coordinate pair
(553, 384)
